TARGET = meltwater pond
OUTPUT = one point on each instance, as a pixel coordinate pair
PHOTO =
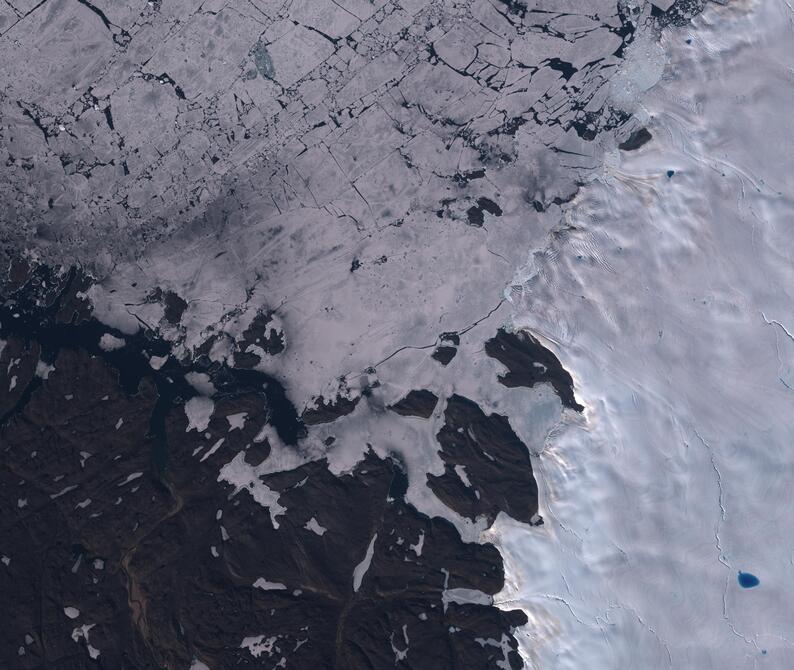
(671, 302)
(747, 580)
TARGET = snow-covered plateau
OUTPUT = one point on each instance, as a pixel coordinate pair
(669, 294)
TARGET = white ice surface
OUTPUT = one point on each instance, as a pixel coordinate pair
(671, 303)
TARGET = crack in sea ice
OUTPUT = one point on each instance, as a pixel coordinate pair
(710, 450)
(730, 623)
(718, 541)
(775, 322)
(652, 631)
(787, 333)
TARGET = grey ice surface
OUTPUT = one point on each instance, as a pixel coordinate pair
(253, 153)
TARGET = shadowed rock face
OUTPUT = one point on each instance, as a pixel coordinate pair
(419, 403)
(487, 468)
(125, 551)
(444, 354)
(328, 411)
(447, 349)
(174, 306)
(528, 363)
(271, 340)
(678, 12)
(637, 139)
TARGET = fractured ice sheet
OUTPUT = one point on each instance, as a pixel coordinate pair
(362, 153)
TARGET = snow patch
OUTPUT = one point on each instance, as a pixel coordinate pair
(245, 477)
(315, 527)
(131, 478)
(265, 585)
(236, 421)
(156, 362)
(43, 370)
(212, 449)
(420, 543)
(259, 644)
(110, 342)
(199, 412)
(201, 382)
(361, 569)
(82, 633)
